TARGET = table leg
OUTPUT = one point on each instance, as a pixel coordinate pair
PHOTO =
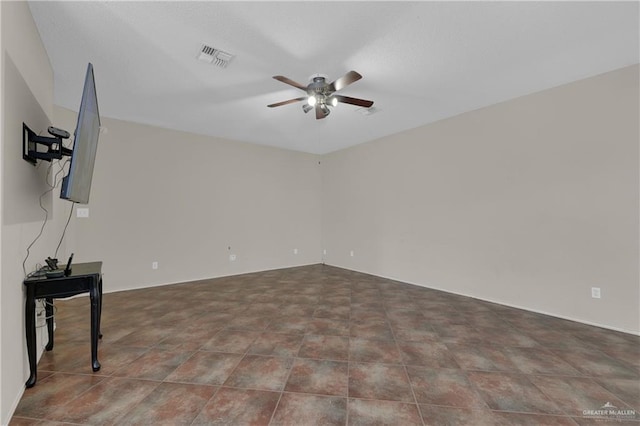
(100, 307)
(30, 327)
(95, 324)
(48, 309)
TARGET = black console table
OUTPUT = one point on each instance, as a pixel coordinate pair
(84, 278)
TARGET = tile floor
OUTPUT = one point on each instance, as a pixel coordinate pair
(319, 345)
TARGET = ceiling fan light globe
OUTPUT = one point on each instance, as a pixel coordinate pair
(312, 100)
(334, 101)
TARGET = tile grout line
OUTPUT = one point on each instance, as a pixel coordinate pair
(404, 366)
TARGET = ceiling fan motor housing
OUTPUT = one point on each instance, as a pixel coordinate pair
(319, 85)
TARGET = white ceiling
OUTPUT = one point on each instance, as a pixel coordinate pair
(420, 61)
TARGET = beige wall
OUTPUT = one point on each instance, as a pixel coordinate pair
(529, 203)
(182, 200)
(27, 93)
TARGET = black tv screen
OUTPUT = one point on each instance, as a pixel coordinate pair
(76, 186)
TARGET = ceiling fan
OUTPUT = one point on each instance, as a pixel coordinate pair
(321, 94)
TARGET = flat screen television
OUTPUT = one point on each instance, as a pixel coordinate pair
(76, 185)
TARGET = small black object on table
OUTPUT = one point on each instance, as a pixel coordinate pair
(84, 278)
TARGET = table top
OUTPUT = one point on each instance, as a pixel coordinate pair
(77, 270)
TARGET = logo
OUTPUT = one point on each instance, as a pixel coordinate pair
(610, 412)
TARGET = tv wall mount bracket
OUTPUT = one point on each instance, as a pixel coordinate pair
(53, 149)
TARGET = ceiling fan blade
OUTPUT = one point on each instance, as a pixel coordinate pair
(290, 82)
(290, 101)
(344, 81)
(354, 101)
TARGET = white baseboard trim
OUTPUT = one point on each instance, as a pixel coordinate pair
(14, 405)
(193, 280)
(499, 302)
(39, 352)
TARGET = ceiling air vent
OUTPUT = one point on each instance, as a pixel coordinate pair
(214, 56)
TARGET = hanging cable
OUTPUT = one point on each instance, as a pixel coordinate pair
(44, 222)
(52, 186)
(65, 230)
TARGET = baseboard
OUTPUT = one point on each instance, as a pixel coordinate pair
(499, 302)
(39, 352)
(13, 407)
(193, 280)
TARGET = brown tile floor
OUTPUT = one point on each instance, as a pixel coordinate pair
(322, 345)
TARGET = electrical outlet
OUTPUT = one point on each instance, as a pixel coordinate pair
(82, 212)
(295, 251)
(595, 292)
(154, 265)
(232, 258)
(351, 253)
